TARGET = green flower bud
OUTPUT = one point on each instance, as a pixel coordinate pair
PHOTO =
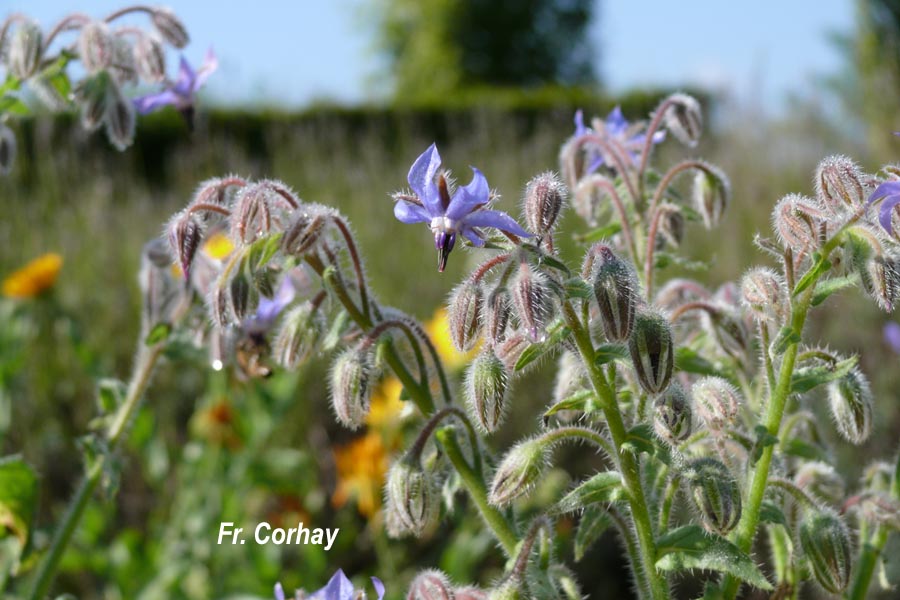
(520, 470)
(652, 351)
(412, 494)
(711, 193)
(671, 226)
(25, 48)
(251, 217)
(880, 277)
(299, 334)
(684, 118)
(486, 382)
(839, 184)
(95, 46)
(672, 415)
(508, 590)
(544, 198)
(150, 58)
(497, 310)
(120, 118)
(826, 543)
(715, 493)
(764, 292)
(464, 314)
(718, 402)
(351, 386)
(532, 300)
(93, 98)
(821, 480)
(850, 399)
(796, 219)
(616, 290)
(878, 477)
(170, 27)
(303, 232)
(430, 585)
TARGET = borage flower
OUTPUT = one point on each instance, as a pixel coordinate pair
(617, 130)
(890, 191)
(182, 91)
(338, 588)
(448, 216)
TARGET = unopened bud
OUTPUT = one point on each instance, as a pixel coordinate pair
(496, 312)
(120, 119)
(826, 542)
(512, 348)
(251, 217)
(711, 193)
(412, 493)
(299, 334)
(520, 470)
(851, 403)
(652, 351)
(464, 314)
(570, 376)
(764, 292)
(684, 118)
(672, 415)
(544, 199)
(303, 232)
(94, 99)
(185, 236)
(796, 219)
(351, 387)
(616, 290)
(469, 593)
(170, 27)
(150, 58)
(486, 382)
(839, 184)
(715, 493)
(718, 402)
(123, 66)
(508, 590)
(239, 296)
(822, 480)
(430, 585)
(532, 299)
(25, 49)
(220, 304)
(881, 279)
(95, 46)
(878, 477)
(8, 149)
(671, 226)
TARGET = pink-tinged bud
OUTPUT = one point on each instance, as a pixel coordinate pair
(521, 469)
(512, 348)
(616, 289)
(711, 193)
(671, 226)
(413, 495)
(25, 48)
(881, 279)
(764, 293)
(170, 27)
(8, 149)
(430, 585)
(850, 399)
(470, 593)
(150, 58)
(545, 196)
(185, 236)
(684, 118)
(299, 336)
(796, 219)
(672, 415)
(120, 119)
(464, 314)
(826, 543)
(840, 185)
(652, 351)
(715, 493)
(303, 232)
(532, 300)
(496, 312)
(821, 480)
(93, 97)
(486, 381)
(95, 46)
(718, 403)
(351, 376)
(252, 216)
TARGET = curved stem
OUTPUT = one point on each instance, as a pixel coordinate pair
(668, 500)
(129, 9)
(583, 433)
(658, 116)
(605, 183)
(65, 24)
(617, 159)
(649, 267)
(435, 359)
(357, 264)
(450, 411)
(378, 330)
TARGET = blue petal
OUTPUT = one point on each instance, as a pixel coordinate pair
(496, 219)
(279, 592)
(888, 188)
(473, 236)
(468, 198)
(149, 103)
(596, 163)
(186, 76)
(421, 179)
(580, 129)
(209, 66)
(338, 588)
(615, 122)
(407, 212)
(887, 211)
(379, 587)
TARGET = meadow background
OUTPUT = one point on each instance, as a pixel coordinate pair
(207, 448)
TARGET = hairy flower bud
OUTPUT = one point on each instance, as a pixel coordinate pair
(469, 593)
(300, 332)
(877, 476)
(796, 220)
(158, 289)
(486, 382)
(839, 184)
(120, 118)
(150, 58)
(25, 48)
(544, 198)
(673, 415)
(351, 376)
(764, 292)
(671, 226)
(302, 233)
(715, 493)
(652, 351)
(412, 494)
(718, 402)
(8, 148)
(821, 480)
(684, 118)
(170, 27)
(252, 216)
(520, 470)
(850, 399)
(512, 348)
(590, 197)
(728, 328)
(826, 543)
(430, 585)
(532, 300)
(93, 97)
(123, 67)
(711, 193)
(496, 313)
(510, 589)
(464, 314)
(95, 46)
(570, 376)
(616, 290)
(881, 279)
(239, 296)
(184, 235)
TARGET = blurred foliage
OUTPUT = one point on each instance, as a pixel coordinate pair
(437, 50)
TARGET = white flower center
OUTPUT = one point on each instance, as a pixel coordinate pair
(444, 224)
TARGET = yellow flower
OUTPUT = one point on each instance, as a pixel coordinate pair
(37, 276)
(438, 329)
(361, 467)
(218, 246)
(386, 405)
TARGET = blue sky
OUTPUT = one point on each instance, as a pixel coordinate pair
(291, 53)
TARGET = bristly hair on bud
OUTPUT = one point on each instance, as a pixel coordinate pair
(23, 55)
(652, 350)
(673, 415)
(671, 226)
(495, 315)
(711, 193)
(298, 336)
(430, 585)
(851, 401)
(880, 277)
(684, 118)
(821, 480)
(351, 378)
(150, 58)
(796, 221)
(8, 148)
(826, 543)
(715, 493)
(590, 197)
(486, 381)
(718, 403)
(840, 185)
(616, 290)
(469, 593)
(252, 214)
(93, 96)
(95, 46)
(532, 299)
(545, 196)
(519, 471)
(304, 231)
(464, 314)
(120, 118)
(184, 235)
(765, 294)
(170, 27)
(412, 494)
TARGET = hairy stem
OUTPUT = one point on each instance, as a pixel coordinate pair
(869, 554)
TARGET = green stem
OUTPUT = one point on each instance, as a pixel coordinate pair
(668, 500)
(502, 530)
(869, 553)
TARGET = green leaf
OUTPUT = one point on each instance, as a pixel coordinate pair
(333, 339)
(577, 287)
(665, 259)
(535, 351)
(782, 551)
(110, 394)
(601, 233)
(689, 547)
(689, 361)
(821, 265)
(641, 438)
(830, 286)
(784, 340)
(603, 487)
(18, 497)
(807, 378)
(607, 353)
(158, 334)
(594, 521)
(581, 401)
(803, 449)
(764, 439)
(769, 512)
(553, 263)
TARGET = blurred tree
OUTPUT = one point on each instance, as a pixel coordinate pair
(440, 47)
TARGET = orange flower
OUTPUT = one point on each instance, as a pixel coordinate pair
(438, 329)
(386, 405)
(361, 468)
(218, 246)
(34, 278)
(217, 424)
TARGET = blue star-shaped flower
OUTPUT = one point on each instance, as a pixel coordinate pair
(182, 91)
(890, 191)
(615, 128)
(338, 588)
